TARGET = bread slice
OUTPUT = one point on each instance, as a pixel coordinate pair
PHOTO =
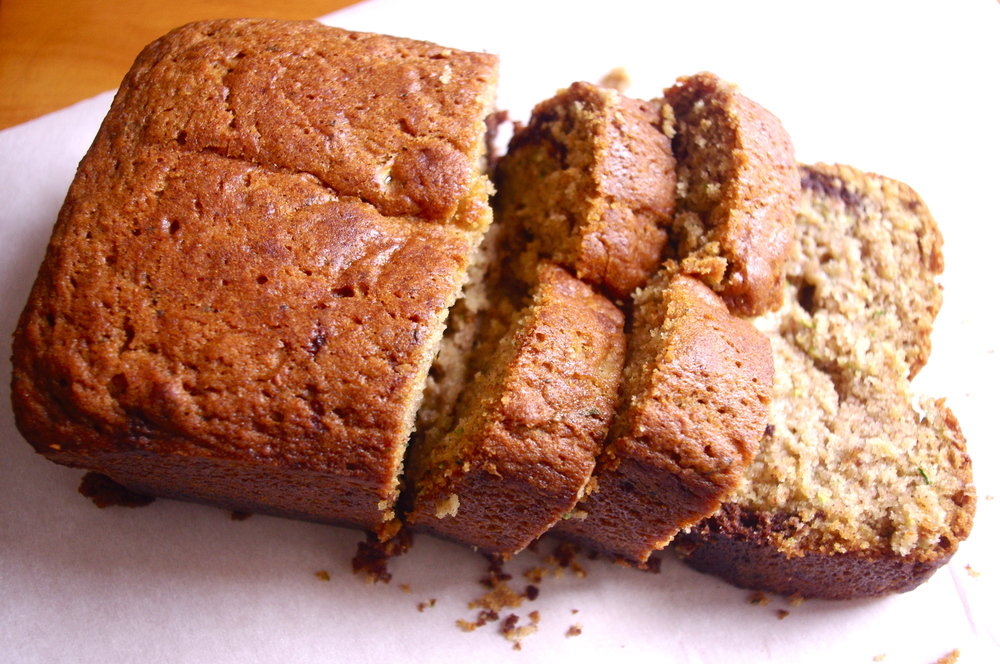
(589, 184)
(859, 488)
(737, 192)
(250, 275)
(527, 429)
(696, 390)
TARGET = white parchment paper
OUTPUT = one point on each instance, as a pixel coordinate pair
(907, 89)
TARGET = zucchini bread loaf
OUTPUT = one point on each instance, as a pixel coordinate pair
(858, 488)
(250, 275)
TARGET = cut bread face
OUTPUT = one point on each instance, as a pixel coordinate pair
(860, 488)
(589, 184)
(695, 395)
(737, 193)
(251, 272)
(528, 427)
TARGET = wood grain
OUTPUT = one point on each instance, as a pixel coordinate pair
(54, 53)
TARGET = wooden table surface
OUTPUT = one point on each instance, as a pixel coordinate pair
(54, 53)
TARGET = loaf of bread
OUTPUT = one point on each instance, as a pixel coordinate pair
(250, 275)
(737, 192)
(859, 488)
(695, 395)
(244, 303)
(528, 428)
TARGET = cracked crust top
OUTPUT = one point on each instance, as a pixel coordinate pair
(251, 270)
(395, 122)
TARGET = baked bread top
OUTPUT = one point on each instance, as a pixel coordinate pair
(254, 262)
(393, 122)
(859, 488)
(695, 395)
(589, 184)
(737, 192)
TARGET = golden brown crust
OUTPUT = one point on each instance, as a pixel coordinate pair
(856, 491)
(738, 546)
(530, 427)
(590, 184)
(695, 395)
(738, 190)
(242, 293)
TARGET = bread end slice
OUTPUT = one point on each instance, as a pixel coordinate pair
(860, 487)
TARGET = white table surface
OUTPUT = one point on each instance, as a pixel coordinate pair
(907, 89)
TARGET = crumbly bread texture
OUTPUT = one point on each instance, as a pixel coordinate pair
(859, 489)
(737, 192)
(250, 274)
(696, 389)
(589, 183)
(528, 428)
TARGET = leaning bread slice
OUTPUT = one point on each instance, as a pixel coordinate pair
(529, 426)
(589, 184)
(737, 192)
(696, 389)
(250, 275)
(857, 490)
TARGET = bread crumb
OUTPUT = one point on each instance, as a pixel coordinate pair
(105, 492)
(971, 572)
(323, 575)
(466, 626)
(796, 600)
(372, 558)
(536, 574)
(564, 557)
(949, 658)
(782, 614)
(426, 605)
(576, 629)
(500, 597)
(512, 632)
(447, 507)
(616, 79)
(759, 599)
(405, 587)
(878, 658)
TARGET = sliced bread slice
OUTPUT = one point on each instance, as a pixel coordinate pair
(737, 192)
(696, 391)
(528, 427)
(859, 488)
(589, 184)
